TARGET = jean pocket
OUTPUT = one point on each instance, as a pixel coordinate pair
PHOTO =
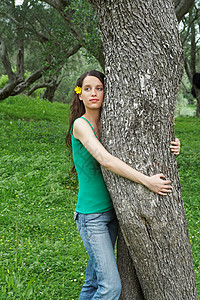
(92, 217)
(93, 224)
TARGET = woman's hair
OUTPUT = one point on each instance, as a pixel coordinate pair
(77, 108)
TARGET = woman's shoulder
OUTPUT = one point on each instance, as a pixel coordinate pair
(81, 126)
(79, 122)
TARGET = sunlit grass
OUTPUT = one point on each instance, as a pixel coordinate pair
(188, 130)
(41, 254)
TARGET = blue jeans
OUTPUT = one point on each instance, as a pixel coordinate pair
(99, 233)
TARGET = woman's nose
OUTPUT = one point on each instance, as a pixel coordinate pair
(93, 92)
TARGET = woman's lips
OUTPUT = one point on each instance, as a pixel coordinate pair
(94, 100)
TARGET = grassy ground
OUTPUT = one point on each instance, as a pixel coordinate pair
(41, 255)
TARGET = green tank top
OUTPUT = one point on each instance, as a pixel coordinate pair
(93, 196)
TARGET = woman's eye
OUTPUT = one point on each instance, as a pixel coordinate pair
(100, 89)
(87, 89)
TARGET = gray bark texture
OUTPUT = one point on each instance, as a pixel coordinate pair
(144, 65)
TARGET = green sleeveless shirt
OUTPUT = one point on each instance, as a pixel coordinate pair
(93, 196)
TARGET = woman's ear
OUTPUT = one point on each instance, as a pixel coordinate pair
(80, 97)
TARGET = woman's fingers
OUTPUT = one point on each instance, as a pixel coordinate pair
(166, 187)
(175, 151)
(161, 175)
(166, 190)
(166, 181)
(175, 146)
(163, 194)
(158, 185)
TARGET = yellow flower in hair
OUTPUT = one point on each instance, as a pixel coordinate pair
(78, 89)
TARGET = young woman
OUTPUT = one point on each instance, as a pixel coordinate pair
(94, 214)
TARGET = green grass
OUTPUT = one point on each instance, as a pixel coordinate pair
(188, 131)
(41, 254)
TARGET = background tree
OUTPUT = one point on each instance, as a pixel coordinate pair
(144, 64)
(182, 7)
(30, 24)
(82, 20)
(191, 44)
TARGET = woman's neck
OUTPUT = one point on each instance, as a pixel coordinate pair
(93, 116)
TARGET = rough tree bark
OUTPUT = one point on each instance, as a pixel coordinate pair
(50, 91)
(144, 64)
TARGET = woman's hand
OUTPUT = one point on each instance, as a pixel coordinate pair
(158, 185)
(175, 147)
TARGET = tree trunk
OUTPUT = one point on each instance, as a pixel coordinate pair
(50, 91)
(131, 288)
(20, 54)
(198, 108)
(197, 92)
(8, 89)
(144, 64)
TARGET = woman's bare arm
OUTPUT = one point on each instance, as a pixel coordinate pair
(83, 132)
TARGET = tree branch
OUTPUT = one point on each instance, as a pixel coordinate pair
(13, 81)
(30, 80)
(10, 17)
(38, 74)
(7, 90)
(73, 50)
(43, 38)
(39, 86)
(190, 24)
(182, 7)
(187, 69)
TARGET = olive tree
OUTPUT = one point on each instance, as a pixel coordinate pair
(143, 66)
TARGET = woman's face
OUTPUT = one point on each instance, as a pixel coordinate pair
(92, 92)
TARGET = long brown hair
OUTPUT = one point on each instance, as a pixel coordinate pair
(77, 108)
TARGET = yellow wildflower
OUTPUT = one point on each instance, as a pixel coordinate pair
(78, 89)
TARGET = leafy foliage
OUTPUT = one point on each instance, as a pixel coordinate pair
(3, 81)
(86, 24)
(40, 32)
